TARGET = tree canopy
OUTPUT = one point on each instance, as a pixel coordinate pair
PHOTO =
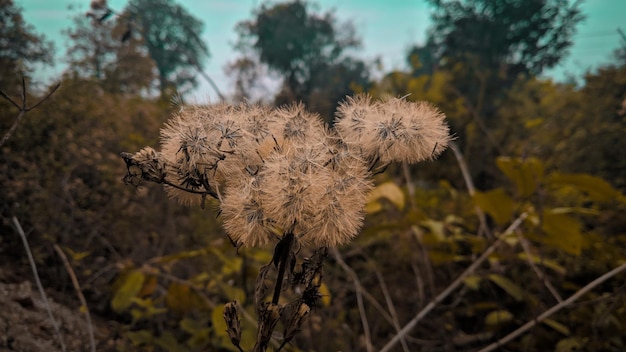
(172, 37)
(307, 50)
(20, 46)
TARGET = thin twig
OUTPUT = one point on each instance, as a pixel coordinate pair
(590, 286)
(23, 109)
(390, 306)
(526, 247)
(470, 187)
(453, 286)
(359, 297)
(81, 297)
(33, 266)
(409, 184)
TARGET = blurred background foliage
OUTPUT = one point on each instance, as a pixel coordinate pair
(159, 273)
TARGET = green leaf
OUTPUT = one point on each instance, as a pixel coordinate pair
(496, 203)
(508, 286)
(557, 326)
(595, 187)
(123, 297)
(526, 174)
(498, 317)
(388, 190)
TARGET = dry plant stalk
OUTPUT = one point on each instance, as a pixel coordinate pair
(283, 177)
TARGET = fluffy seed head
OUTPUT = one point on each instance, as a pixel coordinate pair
(278, 171)
(393, 130)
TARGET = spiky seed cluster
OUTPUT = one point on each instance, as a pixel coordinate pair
(282, 171)
(393, 130)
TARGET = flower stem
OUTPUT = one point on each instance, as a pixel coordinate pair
(281, 257)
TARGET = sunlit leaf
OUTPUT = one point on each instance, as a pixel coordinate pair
(123, 297)
(526, 174)
(498, 317)
(436, 228)
(497, 204)
(508, 286)
(389, 191)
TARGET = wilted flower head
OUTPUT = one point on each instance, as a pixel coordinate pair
(282, 171)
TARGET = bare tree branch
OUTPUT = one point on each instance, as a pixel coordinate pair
(33, 266)
(81, 297)
(590, 286)
(359, 297)
(23, 109)
(453, 286)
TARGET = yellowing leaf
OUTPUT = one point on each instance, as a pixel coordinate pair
(524, 173)
(557, 326)
(595, 187)
(496, 203)
(140, 337)
(77, 256)
(325, 294)
(437, 228)
(533, 123)
(388, 190)
(168, 342)
(498, 317)
(233, 292)
(219, 324)
(561, 231)
(548, 263)
(179, 298)
(508, 286)
(569, 344)
(472, 282)
(123, 297)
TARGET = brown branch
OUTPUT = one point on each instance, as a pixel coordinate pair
(390, 306)
(23, 109)
(33, 266)
(470, 187)
(453, 286)
(526, 247)
(359, 297)
(590, 286)
(81, 297)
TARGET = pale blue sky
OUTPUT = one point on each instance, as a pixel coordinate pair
(387, 28)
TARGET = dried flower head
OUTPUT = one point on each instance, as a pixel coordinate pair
(393, 130)
(282, 171)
